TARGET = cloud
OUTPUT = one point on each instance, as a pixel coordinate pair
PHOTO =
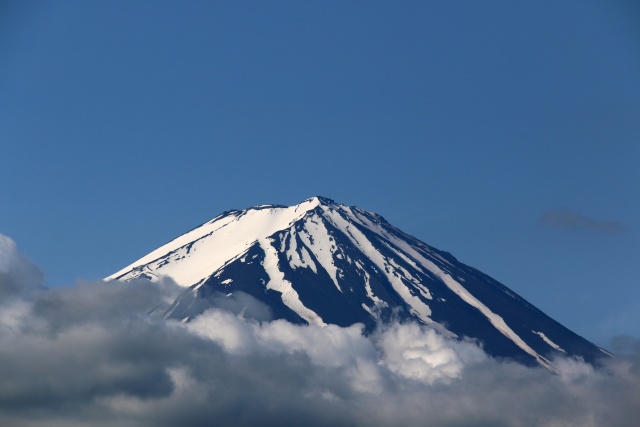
(571, 220)
(97, 354)
(17, 272)
(422, 354)
(625, 344)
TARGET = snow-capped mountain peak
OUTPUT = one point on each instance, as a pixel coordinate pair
(209, 246)
(322, 262)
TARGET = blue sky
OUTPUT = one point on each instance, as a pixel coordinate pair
(507, 133)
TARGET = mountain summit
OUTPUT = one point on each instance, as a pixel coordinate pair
(320, 262)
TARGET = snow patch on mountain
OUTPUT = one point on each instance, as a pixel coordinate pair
(316, 237)
(548, 341)
(278, 283)
(207, 248)
(420, 309)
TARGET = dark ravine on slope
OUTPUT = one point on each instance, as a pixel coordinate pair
(321, 262)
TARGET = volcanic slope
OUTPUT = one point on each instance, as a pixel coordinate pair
(320, 262)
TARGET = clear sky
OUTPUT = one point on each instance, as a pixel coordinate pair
(504, 132)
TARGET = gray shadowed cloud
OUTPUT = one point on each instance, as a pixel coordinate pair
(95, 354)
(17, 272)
(571, 220)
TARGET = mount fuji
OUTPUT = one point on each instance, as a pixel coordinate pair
(320, 262)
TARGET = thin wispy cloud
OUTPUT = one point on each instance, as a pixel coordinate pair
(95, 354)
(575, 221)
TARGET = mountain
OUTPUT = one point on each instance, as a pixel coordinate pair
(320, 262)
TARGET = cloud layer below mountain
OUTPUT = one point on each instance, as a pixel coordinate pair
(94, 354)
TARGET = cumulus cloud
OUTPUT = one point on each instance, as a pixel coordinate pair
(98, 354)
(422, 354)
(17, 272)
(571, 220)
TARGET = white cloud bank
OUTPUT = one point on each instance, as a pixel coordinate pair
(91, 355)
